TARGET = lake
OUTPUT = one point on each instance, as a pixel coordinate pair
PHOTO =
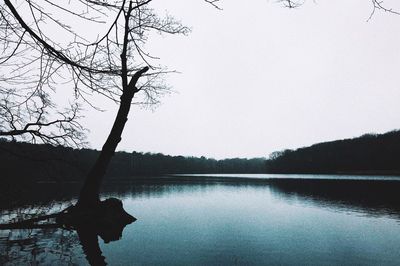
(225, 220)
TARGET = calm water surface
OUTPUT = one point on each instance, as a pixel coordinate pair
(219, 222)
(298, 176)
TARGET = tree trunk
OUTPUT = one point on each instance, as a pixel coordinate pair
(89, 195)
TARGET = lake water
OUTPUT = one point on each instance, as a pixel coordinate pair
(296, 176)
(218, 220)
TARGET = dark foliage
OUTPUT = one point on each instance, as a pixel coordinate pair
(29, 162)
(368, 154)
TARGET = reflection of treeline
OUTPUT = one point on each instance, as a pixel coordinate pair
(44, 161)
(368, 154)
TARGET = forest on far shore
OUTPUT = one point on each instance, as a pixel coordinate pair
(44, 162)
(368, 154)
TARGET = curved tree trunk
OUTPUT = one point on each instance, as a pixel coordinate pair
(89, 195)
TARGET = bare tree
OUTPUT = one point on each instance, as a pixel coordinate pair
(35, 64)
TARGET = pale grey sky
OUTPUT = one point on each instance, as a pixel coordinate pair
(256, 78)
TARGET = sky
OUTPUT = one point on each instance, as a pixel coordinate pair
(257, 78)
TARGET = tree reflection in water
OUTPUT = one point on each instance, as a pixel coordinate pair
(39, 246)
(88, 238)
(51, 243)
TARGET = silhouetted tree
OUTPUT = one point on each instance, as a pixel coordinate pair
(34, 63)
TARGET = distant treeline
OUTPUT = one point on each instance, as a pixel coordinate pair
(368, 154)
(38, 162)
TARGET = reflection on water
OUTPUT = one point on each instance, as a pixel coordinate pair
(40, 247)
(55, 246)
(244, 221)
(368, 197)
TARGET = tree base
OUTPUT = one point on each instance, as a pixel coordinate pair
(108, 219)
